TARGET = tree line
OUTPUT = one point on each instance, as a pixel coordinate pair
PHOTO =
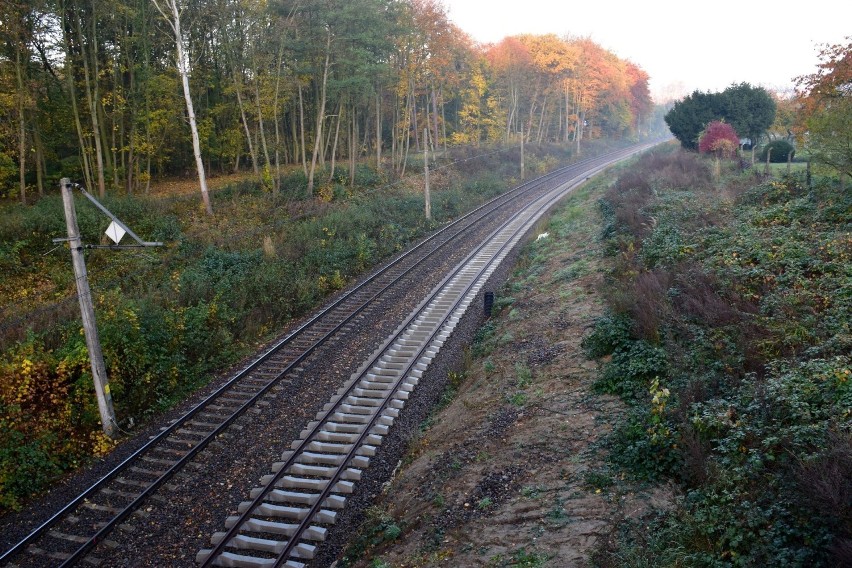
(818, 117)
(92, 89)
(749, 110)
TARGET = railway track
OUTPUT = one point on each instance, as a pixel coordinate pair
(300, 498)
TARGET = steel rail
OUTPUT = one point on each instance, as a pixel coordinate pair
(545, 202)
(242, 374)
(481, 211)
(307, 439)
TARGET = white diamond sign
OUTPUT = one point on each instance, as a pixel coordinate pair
(115, 232)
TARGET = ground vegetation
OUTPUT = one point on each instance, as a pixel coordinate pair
(728, 336)
(170, 317)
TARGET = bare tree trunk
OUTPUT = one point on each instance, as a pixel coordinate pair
(407, 141)
(91, 98)
(365, 141)
(378, 130)
(414, 117)
(131, 161)
(320, 115)
(334, 144)
(302, 129)
(39, 160)
(276, 184)
(435, 134)
(114, 153)
(294, 134)
(578, 134)
(394, 133)
(353, 145)
(245, 125)
(533, 108)
(22, 129)
(72, 92)
(513, 106)
(443, 122)
(260, 124)
(541, 120)
(174, 22)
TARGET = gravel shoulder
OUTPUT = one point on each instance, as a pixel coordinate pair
(510, 470)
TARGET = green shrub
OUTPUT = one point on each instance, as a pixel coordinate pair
(610, 334)
(632, 369)
(8, 171)
(295, 184)
(780, 150)
(27, 464)
(640, 455)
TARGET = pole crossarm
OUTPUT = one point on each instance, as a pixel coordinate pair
(115, 219)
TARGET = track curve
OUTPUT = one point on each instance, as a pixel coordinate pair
(70, 535)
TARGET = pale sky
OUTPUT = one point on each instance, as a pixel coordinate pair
(683, 45)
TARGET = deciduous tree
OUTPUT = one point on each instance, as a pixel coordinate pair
(719, 138)
(827, 108)
(171, 11)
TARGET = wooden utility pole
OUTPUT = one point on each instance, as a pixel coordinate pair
(522, 156)
(87, 311)
(426, 194)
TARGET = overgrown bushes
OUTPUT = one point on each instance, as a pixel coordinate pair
(729, 337)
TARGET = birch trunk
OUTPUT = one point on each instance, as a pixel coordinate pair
(276, 183)
(435, 137)
(252, 151)
(174, 23)
(302, 129)
(334, 144)
(260, 123)
(320, 115)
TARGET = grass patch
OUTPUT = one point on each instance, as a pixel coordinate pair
(377, 530)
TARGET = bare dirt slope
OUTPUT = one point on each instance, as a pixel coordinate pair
(511, 471)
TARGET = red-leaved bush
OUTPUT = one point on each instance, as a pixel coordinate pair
(719, 138)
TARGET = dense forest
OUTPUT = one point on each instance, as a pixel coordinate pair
(95, 90)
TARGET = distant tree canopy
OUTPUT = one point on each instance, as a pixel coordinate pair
(749, 110)
(688, 118)
(89, 88)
